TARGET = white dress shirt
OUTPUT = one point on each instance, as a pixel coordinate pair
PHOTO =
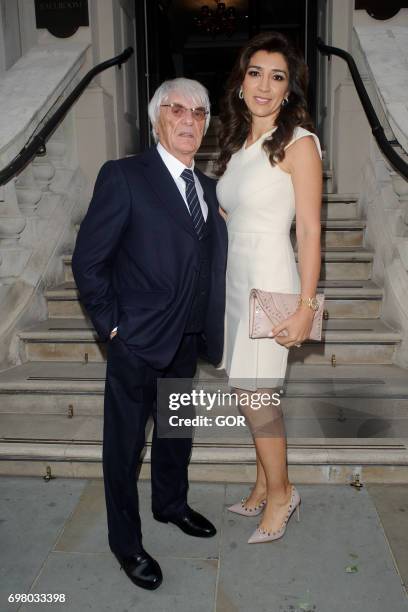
(176, 167)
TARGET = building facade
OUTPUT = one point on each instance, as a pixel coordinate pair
(45, 338)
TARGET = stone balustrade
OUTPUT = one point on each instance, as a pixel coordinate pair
(38, 206)
(381, 54)
(400, 186)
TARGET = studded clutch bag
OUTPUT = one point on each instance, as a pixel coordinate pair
(268, 308)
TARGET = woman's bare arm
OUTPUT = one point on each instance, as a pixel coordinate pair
(305, 166)
(303, 162)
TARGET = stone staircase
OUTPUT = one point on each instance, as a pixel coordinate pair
(344, 399)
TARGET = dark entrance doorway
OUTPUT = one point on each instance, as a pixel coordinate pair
(200, 39)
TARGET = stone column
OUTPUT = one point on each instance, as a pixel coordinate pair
(12, 223)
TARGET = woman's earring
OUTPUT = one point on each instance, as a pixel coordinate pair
(240, 94)
(285, 101)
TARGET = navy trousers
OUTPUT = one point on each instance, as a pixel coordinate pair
(130, 394)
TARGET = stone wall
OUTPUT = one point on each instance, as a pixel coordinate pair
(39, 207)
(347, 130)
(381, 53)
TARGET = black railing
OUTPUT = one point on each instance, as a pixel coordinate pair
(396, 161)
(36, 144)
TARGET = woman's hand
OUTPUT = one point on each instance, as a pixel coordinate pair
(298, 327)
(222, 213)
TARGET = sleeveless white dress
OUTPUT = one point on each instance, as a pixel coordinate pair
(260, 202)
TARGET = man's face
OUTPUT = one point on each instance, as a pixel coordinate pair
(179, 132)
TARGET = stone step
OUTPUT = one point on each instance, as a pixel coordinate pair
(339, 206)
(340, 233)
(347, 341)
(344, 341)
(340, 223)
(339, 425)
(370, 398)
(51, 428)
(210, 154)
(361, 299)
(201, 157)
(352, 299)
(337, 264)
(346, 263)
(206, 158)
(310, 461)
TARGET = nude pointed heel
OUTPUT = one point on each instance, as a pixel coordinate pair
(298, 512)
(262, 535)
(240, 508)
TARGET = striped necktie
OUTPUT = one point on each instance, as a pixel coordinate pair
(193, 202)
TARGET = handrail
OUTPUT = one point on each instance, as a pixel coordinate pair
(377, 129)
(36, 145)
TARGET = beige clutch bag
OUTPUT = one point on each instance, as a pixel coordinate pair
(268, 308)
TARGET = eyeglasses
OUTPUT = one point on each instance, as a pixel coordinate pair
(178, 110)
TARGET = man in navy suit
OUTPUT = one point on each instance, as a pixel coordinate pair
(149, 264)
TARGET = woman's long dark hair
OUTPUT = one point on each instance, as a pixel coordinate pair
(235, 117)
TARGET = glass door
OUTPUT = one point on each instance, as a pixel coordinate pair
(185, 38)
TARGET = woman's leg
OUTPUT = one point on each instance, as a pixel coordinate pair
(272, 454)
(258, 492)
(268, 431)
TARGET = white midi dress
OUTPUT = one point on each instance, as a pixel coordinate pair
(260, 202)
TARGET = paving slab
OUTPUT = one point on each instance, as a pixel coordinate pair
(95, 582)
(336, 559)
(166, 539)
(391, 502)
(32, 515)
(86, 530)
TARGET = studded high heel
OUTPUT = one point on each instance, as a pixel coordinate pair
(240, 508)
(262, 535)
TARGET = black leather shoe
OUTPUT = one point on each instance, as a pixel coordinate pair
(191, 522)
(142, 570)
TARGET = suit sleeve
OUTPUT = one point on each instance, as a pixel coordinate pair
(98, 239)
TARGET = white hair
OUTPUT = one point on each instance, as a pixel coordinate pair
(190, 89)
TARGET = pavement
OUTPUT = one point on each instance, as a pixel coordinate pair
(349, 552)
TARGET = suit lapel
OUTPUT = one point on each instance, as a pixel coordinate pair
(163, 185)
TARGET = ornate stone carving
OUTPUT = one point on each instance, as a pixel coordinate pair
(28, 193)
(43, 171)
(400, 186)
(56, 150)
(12, 222)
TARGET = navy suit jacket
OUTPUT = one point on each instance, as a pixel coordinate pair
(136, 259)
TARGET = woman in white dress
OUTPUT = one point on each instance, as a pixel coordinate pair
(270, 171)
